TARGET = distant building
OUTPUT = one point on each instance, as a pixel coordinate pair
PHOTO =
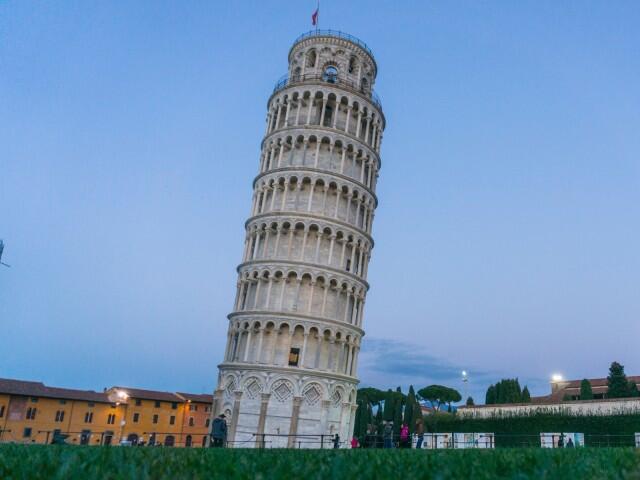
(564, 398)
(31, 412)
(570, 389)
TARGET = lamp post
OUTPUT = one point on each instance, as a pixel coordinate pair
(465, 379)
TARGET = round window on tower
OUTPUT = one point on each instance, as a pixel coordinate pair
(330, 74)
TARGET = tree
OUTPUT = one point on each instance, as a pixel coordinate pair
(470, 402)
(453, 396)
(373, 395)
(633, 389)
(490, 397)
(506, 390)
(398, 404)
(434, 395)
(438, 395)
(388, 406)
(586, 393)
(526, 396)
(617, 382)
(409, 407)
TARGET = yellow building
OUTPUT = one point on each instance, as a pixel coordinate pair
(31, 412)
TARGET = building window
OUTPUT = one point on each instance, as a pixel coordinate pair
(31, 413)
(352, 64)
(88, 417)
(207, 423)
(191, 409)
(348, 265)
(188, 441)
(138, 402)
(207, 408)
(111, 419)
(174, 405)
(1, 411)
(60, 416)
(294, 356)
(191, 422)
(311, 58)
(34, 399)
(26, 433)
(155, 418)
(136, 417)
(157, 403)
(330, 74)
(63, 402)
(172, 420)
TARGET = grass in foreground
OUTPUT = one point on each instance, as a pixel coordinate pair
(74, 462)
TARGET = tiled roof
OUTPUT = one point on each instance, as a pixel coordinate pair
(595, 382)
(572, 387)
(150, 394)
(39, 389)
(197, 397)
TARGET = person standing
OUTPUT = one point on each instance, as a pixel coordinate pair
(419, 431)
(404, 436)
(354, 442)
(387, 435)
(336, 441)
(219, 431)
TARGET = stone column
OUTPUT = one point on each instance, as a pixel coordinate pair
(234, 416)
(326, 405)
(352, 419)
(293, 426)
(264, 405)
(216, 407)
(304, 349)
(345, 417)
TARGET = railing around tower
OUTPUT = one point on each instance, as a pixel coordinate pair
(286, 81)
(337, 34)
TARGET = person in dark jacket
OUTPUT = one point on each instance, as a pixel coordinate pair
(336, 441)
(420, 431)
(219, 431)
(387, 435)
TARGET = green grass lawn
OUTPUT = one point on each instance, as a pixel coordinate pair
(74, 462)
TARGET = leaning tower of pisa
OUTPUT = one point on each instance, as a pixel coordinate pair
(290, 365)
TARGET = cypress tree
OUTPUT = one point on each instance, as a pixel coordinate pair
(490, 397)
(388, 406)
(517, 392)
(397, 414)
(470, 402)
(357, 429)
(526, 396)
(617, 382)
(408, 409)
(586, 393)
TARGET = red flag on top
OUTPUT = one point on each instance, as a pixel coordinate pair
(314, 17)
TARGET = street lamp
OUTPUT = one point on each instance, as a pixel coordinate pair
(465, 379)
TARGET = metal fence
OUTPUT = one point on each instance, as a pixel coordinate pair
(336, 34)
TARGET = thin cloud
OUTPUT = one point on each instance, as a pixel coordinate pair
(388, 363)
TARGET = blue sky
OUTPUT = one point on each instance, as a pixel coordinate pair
(509, 216)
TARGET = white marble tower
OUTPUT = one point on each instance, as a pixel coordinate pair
(290, 365)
